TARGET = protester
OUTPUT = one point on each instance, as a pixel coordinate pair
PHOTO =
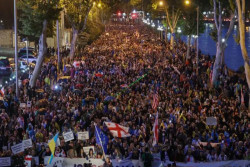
(110, 66)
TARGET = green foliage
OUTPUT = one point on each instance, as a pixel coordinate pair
(32, 15)
(77, 11)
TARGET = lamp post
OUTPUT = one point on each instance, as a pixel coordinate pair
(16, 56)
(187, 2)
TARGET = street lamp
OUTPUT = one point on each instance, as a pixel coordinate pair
(161, 3)
(99, 5)
(187, 2)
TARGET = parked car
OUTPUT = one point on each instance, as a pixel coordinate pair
(31, 59)
(5, 68)
(23, 52)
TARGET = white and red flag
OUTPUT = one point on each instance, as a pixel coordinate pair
(117, 130)
(156, 130)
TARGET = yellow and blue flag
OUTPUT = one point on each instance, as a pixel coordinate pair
(52, 147)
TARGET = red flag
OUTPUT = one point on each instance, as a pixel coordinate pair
(155, 130)
(117, 130)
(155, 100)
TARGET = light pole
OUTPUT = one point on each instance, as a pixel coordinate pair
(25, 40)
(16, 56)
(187, 2)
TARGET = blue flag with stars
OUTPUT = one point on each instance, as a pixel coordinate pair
(101, 138)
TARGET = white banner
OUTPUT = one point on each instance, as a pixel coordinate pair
(127, 163)
(18, 148)
(240, 163)
(83, 135)
(80, 162)
(68, 136)
(6, 161)
(28, 104)
(86, 149)
(27, 143)
(72, 162)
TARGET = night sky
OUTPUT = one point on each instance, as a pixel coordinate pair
(6, 12)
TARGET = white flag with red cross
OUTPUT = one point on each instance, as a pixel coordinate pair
(155, 130)
(117, 130)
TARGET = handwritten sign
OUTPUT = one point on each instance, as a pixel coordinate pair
(18, 148)
(6, 161)
(86, 149)
(68, 136)
(83, 135)
(27, 143)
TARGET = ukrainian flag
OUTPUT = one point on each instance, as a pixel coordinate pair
(52, 147)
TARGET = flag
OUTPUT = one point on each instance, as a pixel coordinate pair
(52, 147)
(155, 100)
(101, 139)
(2, 91)
(117, 130)
(242, 97)
(155, 130)
(211, 77)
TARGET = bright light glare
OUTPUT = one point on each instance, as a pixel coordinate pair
(161, 3)
(187, 2)
(56, 87)
(99, 5)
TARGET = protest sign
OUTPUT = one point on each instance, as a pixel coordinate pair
(83, 135)
(18, 148)
(28, 104)
(211, 121)
(22, 105)
(68, 136)
(6, 161)
(86, 149)
(27, 143)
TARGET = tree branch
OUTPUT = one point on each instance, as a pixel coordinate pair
(215, 16)
(168, 19)
(232, 21)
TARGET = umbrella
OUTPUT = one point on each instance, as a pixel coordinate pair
(25, 81)
(42, 111)
(98, 75)
(89, 99)
(79, 85)
(109, 98)
(77, 91)
(39, 90)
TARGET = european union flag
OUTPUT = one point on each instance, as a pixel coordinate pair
(101, 138)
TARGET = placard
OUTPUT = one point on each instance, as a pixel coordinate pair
(83, 135)
(211, 121)
(27, 143)
(28, 104)
(68, 136)
(6, 161)
(86, 149)
(22, 105)
(18, 148)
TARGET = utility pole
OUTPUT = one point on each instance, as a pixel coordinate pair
(197, 54)
(16, 46)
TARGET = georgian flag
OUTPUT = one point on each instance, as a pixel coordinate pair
(117, 130)
(156, 130)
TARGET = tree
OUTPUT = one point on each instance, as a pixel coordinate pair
(173, 11)
(220, 41)
(37, 17)
(188, 24)
(77, 12)
(241, 8)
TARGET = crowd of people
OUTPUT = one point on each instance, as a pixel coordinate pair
(107, 67)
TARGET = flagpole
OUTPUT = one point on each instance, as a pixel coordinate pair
(100, 141)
